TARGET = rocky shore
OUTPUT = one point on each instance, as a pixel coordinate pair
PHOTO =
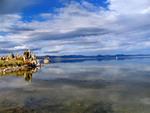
(14, 63)
(5, 70)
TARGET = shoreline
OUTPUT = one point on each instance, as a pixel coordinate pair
(5, 70)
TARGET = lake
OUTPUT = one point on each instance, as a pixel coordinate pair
(114, 86)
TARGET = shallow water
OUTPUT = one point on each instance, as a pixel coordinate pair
(121, 86)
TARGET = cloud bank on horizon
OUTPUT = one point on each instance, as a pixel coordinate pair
(63, 27)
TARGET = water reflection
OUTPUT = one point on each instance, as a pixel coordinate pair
(26, 74)
(89, 87)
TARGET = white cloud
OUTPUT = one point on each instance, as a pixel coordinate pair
(129, 6)
(83, 29)
(7, 21)
(146, 11)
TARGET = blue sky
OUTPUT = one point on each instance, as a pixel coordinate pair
(64, 27)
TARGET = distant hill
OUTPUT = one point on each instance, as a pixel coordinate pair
(81, 58)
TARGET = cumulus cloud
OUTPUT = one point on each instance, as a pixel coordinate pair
(81, 28)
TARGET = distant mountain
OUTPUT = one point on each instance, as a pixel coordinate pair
(81, 58)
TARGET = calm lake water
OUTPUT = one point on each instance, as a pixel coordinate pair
(121, 86)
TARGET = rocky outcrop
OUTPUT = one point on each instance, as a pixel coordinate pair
(14, 63)
(46, 60)
(27, 59)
